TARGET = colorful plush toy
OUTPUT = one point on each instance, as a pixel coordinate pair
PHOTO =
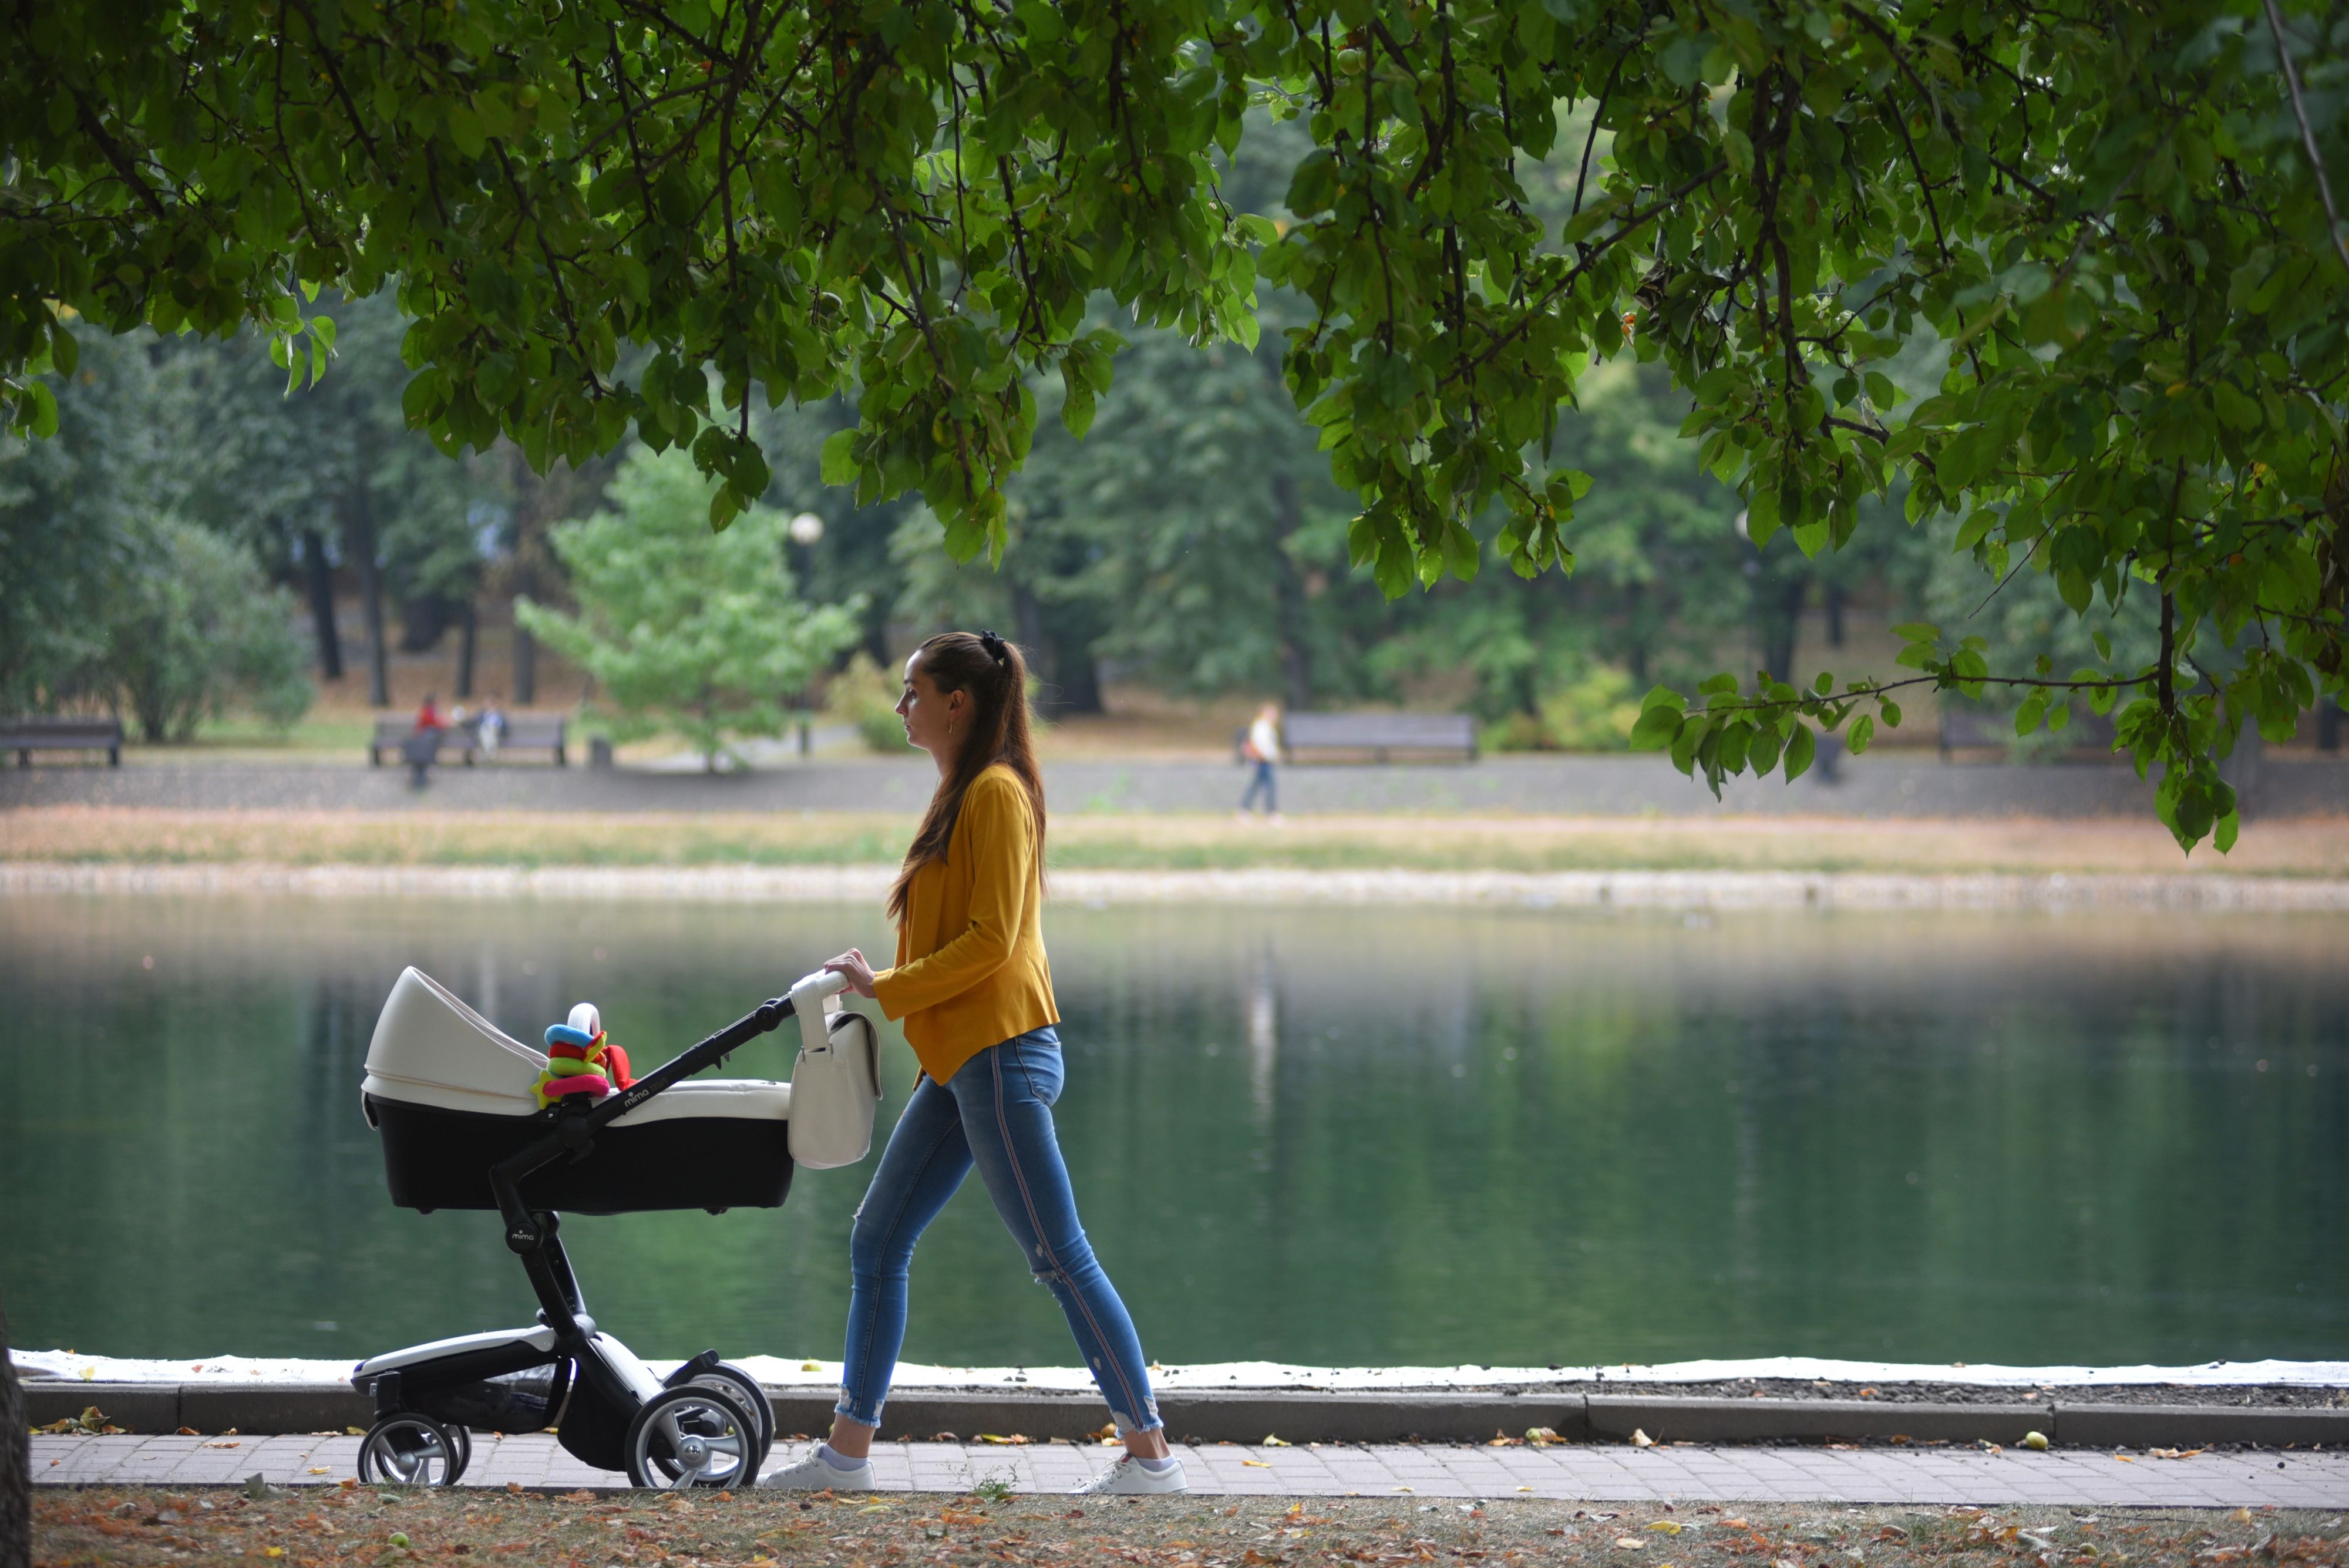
(580, 1060)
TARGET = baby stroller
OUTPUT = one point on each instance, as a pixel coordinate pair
(454, 1101)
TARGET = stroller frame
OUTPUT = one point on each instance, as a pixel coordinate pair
(706, 1424)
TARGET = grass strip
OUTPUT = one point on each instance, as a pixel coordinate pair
(144, 835)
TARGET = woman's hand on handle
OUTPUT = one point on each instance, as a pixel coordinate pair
(859, 972)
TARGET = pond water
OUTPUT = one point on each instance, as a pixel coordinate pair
(1349, 1137)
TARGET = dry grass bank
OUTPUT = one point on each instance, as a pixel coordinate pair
(139, 835)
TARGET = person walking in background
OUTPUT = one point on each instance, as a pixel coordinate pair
(975, 991)
(1262, 747)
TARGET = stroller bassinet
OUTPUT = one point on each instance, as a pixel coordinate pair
(452, 1096)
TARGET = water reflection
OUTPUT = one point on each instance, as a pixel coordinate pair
(1321, 1136)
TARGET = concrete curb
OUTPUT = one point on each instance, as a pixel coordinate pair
(1250, 1417)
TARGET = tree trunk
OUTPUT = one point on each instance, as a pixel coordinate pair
(358, 543)
(15, 1464)
(525, 646)
(1834, 617)
(1289, 600)
(321, 604)
(468, 627)
(1634, 602)
(539, 501)
(1028, 630)
(1060, 671)
(1780, 623)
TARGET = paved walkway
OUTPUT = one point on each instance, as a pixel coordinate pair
(1577, 1472)
(1892, 785)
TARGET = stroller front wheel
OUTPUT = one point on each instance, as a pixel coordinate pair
(728, 1379)
(693, 1436)
(410, 1450)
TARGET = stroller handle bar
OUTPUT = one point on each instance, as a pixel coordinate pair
(575, 1130)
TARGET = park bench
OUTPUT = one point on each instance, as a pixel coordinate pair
(24, 736)
(1327, 737)
(524, 732)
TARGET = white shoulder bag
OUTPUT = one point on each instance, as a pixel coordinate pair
(836, 1082)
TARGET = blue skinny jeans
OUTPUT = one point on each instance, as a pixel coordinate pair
(996, 1113)
(1261, 783)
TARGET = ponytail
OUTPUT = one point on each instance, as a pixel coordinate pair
(993, 673)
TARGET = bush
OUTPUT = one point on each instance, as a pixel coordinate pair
(1593, 713)
(863, 695)
(192, 628)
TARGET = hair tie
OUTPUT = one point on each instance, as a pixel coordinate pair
(995, 649)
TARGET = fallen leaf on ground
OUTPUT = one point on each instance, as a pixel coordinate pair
(1631, 1544)
(1272, 1442)
(2173, 1453)
(1257, 1464)
(1640, 1440)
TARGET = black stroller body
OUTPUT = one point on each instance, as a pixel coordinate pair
(453, 1099)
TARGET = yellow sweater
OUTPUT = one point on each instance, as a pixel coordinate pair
(971, 970)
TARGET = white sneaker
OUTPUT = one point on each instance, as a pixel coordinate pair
(1130, 1477)
(814, 1472)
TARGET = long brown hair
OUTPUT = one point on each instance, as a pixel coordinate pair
(992, 671)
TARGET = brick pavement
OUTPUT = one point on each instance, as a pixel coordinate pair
(1577, 1472)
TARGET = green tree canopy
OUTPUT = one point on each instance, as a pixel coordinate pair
(2113, 215)
(682, 628)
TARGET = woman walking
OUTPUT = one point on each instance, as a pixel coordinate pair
(975, 991)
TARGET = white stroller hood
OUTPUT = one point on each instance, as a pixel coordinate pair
(430, 1049)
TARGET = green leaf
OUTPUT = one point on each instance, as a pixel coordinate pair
(465, 128)
(1655, 728)
(1862, 732)
(1802, 745)
(44, 421)
(838, 464)
(1077, 409)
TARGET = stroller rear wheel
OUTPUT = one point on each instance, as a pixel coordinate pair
(693, 1436)
(411, 1450)
(462, 1436)
(728, 1379)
